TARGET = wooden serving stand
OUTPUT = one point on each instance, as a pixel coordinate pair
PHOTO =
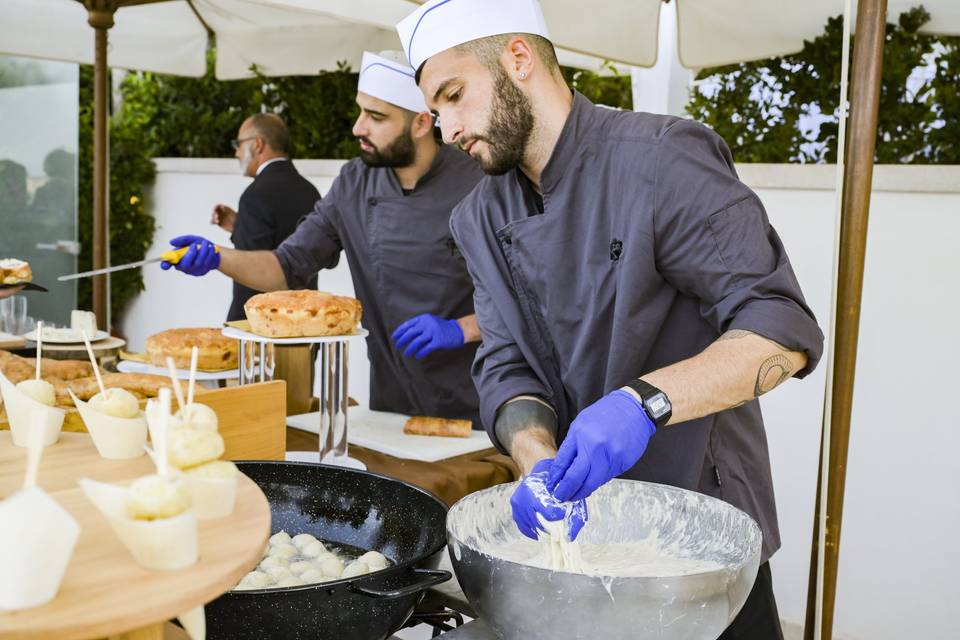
(105, 593)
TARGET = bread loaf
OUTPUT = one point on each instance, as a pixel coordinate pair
(423, 426)
(297, 314)
(217, 352)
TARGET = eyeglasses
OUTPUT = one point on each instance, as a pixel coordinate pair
(239, 141)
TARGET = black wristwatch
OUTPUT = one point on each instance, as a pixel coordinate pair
(655, 402)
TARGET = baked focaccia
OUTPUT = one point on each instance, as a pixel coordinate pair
(217, 352)
(62, 369)
(297, 314)
(449, 428)
(141, 385)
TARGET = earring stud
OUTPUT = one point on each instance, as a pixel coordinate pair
(523, 75)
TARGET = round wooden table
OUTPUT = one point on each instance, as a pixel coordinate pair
(104, 592)
(105, 350)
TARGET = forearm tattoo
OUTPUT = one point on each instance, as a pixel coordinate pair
(774, 371)
(521, 414)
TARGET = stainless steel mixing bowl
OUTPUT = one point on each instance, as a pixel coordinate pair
(523, 602)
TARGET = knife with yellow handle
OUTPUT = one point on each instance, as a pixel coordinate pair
(173, 257)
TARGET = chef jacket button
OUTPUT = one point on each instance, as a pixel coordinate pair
(507, 239)
(372, 202)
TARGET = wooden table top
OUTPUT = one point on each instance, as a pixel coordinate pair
(101, 348)
(104, 591)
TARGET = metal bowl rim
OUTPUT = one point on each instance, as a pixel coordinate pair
(452, 539)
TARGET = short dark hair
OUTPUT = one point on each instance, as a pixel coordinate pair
(489, 50)
(273, 130)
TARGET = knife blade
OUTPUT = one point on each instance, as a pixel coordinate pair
(173, 257)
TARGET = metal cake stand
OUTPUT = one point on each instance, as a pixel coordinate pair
(257, 357)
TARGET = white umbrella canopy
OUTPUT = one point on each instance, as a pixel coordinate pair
(717, 32)
(170, 36)
(710, 32)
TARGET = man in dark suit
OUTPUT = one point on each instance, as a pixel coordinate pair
(271, 207)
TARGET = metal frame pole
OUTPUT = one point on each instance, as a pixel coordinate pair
(857, 186)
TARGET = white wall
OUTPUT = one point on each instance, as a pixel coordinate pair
(899, 558)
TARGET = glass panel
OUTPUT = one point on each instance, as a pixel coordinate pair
(39, 121)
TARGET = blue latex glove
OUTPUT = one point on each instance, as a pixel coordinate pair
(532, 498)
(604, 440)
(200, 259)
(426, 333)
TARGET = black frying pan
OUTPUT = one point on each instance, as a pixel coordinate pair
(351, 508)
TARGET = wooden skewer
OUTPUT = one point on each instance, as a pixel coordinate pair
(34, 449)
(162, 423)
(194, 356)
(176, 383)
(93, 361)
(39, 347)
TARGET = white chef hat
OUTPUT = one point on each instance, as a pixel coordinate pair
(439, 25)
(390, 79)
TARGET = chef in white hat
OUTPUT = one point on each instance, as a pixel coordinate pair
(634, 300)
(389, 211)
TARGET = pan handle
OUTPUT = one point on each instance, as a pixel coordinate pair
(430, 578)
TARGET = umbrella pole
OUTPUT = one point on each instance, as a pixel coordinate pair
(100, 17)
(857, 185)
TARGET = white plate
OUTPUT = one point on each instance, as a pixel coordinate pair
(383, 432)
(64, 336)
(129, 366)
(239, 334)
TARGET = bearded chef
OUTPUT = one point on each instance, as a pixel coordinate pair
(389, 211)
(633, 298)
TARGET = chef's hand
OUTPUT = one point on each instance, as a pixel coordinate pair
(201, 258)
(532, 498)
(604, 440)
(426, 333)
(224, 217)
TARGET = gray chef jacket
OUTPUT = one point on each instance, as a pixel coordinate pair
(648, 249)
(403, 262)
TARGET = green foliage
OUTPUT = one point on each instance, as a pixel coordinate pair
(612, 89)
(785, 109)
(131, 171)
(319, 110)
(190, 117)
(198, 117)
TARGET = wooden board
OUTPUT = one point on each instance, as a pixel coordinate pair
(106, 348)
(252, 419)
(9, 341)
(104, 591)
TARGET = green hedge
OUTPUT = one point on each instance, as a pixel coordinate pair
(768, 111)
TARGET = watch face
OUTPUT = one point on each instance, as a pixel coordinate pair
(658, 406)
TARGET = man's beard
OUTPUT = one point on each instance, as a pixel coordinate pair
(399, 153)
(509, 129)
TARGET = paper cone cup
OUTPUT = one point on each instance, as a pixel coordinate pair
(115, 438)
(37, 539)
(20, 406)
(165, 545)
(212, 497)
(194, 623)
